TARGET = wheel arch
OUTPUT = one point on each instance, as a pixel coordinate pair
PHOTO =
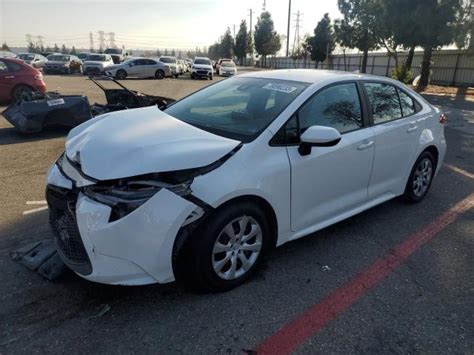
(185, 233)
(17, 86)
(434, 151)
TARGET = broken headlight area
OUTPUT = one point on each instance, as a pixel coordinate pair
(126, 195)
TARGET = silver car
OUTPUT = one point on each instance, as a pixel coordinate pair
(139, 68)
(35, 60)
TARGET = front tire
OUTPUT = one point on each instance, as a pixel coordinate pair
(226, 250)
(420, 178)
(159, 74)
(121, 74)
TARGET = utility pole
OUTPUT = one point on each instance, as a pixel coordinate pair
(91, 41)
(288, 30)
(296, 40)
(251, 38)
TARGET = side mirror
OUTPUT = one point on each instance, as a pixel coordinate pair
(318, 136)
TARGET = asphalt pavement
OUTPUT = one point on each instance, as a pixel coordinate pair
(394, 279)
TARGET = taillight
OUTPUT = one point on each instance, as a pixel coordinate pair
(442, 118)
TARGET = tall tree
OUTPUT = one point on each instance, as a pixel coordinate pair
(322, 43)
(464, 27)
(158, 53)
(438, 18)
(73, 50)
(173, 53)
(55, 48)
(226, 47)
(359, 27)
(64, 49)
(5, 47)
(267, 40)
(241, 42)
(166, 51)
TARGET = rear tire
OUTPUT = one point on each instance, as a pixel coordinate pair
(121, 74)
(420, 179)
(226, 250)
(159, 74)
(19, 91)
(176, 76)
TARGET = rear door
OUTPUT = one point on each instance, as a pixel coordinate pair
(330, 180)
(397, 130)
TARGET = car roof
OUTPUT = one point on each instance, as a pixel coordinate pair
(310, 75)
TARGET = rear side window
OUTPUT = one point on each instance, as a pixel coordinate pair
(409, 106)
(337, 106)
(383, 99)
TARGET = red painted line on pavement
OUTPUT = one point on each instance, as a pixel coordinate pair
(316, 317)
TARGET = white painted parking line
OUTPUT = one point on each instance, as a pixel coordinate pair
(42, 202)
(35, 210)
(459, 171)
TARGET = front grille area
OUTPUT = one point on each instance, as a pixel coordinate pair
(62, 219)
(202, 72)
(92, 70)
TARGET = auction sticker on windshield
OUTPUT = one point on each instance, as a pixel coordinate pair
(280, 87)
(55, 102)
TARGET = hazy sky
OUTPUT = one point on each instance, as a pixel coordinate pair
(146, 24)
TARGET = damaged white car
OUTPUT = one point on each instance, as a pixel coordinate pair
(201, 190)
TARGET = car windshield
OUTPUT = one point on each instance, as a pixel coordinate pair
(113, 51)
(168, 60)
(202, 61)
(237, 108)
(59, 58)
(228, 65)
(97, 57)
(26, 56)
(83, 55)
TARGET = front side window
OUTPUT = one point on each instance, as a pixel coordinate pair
(3, 67)
(383, 99)
(237, 108)
(202, 61)
(337, 106)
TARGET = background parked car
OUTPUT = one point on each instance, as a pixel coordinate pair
(139, 68)
(219, 63)
(97, 63)
(35, 60)
(227, 69)
(7, 54)
(83, 55)
(62, 64)
(172, 63)
(17, 77)
(118, 54)
(202, 68)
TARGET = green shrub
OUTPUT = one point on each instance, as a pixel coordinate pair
(402, 74)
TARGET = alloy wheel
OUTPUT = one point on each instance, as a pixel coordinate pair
(237, 248)
(422, 177)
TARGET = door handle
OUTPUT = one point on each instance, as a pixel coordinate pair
(10, 77)
(413, 127)
(365, 145)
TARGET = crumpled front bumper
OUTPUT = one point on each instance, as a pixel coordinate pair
(134, 250)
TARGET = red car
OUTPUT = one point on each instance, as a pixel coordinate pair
(17, 77)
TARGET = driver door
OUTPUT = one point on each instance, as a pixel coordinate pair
(330, 180)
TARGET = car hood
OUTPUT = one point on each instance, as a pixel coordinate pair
(95, 62)
(141, 141)
(55, 62)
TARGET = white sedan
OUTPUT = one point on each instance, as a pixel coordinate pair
(227, 69)
(139, 68)
(202, 190)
